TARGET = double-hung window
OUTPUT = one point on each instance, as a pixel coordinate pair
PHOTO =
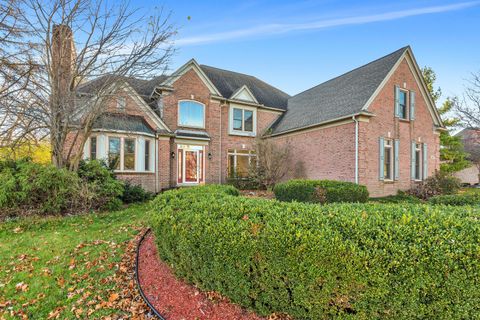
(388, 163)
(243, 121)
(402, 101)
(147, 155)
(240, 162)
(122, 153)
(114, 152)
(389, 169)
(93, 148)
(418, 161)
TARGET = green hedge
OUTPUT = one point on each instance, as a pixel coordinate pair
(362, 261)
(320, 191)
(457, 199)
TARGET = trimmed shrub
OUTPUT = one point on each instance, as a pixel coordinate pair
(135, 193)
(320, 191)
(244, 183)
(362, 261)
(438, 184)
(400, 197)
(463, 199)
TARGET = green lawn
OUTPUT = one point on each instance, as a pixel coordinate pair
(64, 266)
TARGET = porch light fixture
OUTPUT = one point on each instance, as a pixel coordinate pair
(172, 155)
(209, 156)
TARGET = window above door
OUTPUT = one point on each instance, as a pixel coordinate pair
(191, 114)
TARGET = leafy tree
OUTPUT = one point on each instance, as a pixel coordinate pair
(452, 153)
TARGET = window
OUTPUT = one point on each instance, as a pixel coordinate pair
(93, 148)
(388, 163)
(402, 100)
(129, 154)
(121, 103)
(114, 153)
(240, 162)
(418, 161)
(191, 114)
(242, 121)
(147, 155)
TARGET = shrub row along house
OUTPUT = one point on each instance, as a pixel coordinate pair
(375, 125)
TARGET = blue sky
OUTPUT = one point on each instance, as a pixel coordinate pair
(295, 45)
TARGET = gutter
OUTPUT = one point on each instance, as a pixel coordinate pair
(356, 148)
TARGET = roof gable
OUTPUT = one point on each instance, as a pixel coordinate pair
(192, 65)
(346, 95)
(229, 83)
(244, 94)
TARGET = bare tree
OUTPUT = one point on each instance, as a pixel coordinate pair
(76, 41)
(273, 162)
(16, 69)
(468, 110)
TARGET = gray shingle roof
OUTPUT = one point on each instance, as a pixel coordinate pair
(122, 122)
(227, 82)
(339, 97)
(141, 86)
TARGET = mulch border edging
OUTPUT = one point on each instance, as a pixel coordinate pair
(142, 294)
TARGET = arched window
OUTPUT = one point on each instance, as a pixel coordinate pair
(191, 114)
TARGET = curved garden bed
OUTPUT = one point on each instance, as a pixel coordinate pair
(175, 299)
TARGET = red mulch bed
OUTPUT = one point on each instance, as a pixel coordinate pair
(175, 299)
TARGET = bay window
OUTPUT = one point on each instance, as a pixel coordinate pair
(129, 154)
(93, 148)
(147, 155)
(114, 153)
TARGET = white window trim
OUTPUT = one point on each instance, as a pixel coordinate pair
(392, 161)
(122, 149)
(235, 153)
(232, 131)
(407, 104)
(195, 148)
(178, 114)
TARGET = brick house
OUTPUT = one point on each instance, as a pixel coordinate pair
(375, 125)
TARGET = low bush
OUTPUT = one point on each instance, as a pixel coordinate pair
(29, 187)
(135, 193)
(344, 261)
(244, 183)
(320, 191)
(400, 197)
(438, 184)
(463, 199)
(35, 187)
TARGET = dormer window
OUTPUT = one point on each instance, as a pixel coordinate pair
(121, 103)
(191, 114)
(242, 120)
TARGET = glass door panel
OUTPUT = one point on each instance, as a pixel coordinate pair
(191, 166)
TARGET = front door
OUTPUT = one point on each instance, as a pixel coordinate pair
(190, 164)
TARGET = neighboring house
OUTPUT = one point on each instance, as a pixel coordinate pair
(471, 142)
(375, 125)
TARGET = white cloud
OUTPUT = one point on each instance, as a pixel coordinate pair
(270, 29)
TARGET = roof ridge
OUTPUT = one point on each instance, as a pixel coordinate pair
(355, 69)
(240, 73)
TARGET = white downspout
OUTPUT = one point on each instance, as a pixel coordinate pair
(220, 143)
(156, 163)
(356, 148)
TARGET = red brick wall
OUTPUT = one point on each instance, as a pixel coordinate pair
(326, 153)
(385, 124)
(190, 87)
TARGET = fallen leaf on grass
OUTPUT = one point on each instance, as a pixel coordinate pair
(21, 287)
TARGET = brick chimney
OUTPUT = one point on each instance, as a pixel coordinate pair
(63, 56)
